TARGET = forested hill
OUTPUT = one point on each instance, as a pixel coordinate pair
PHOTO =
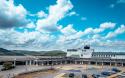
(5, 52)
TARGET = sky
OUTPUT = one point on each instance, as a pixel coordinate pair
(62, 24)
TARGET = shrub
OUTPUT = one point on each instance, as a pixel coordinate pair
(7, 66)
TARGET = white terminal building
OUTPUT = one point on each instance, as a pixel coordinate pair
(88, 52)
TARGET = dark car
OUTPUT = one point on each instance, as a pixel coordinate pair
(108, 73)
(84, 76)
(71, 75)
(95, 75)
(116, 70)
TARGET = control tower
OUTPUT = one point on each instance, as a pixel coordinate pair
(85, 52)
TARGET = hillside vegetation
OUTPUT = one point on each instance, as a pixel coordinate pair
(5, 52)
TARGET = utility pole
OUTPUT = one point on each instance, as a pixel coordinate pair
(51, 62)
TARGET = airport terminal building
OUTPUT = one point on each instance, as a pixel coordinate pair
(87, 52)
(85, 55)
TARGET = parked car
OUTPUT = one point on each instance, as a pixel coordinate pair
(84, 76)
(95, 75)
(108, 73)
(71, 75)
(116, 70)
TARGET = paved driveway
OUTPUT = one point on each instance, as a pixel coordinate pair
(21, 69)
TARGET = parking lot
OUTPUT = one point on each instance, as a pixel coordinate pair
(63, 71)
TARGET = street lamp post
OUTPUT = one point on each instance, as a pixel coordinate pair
(14, 62)
(51, 63)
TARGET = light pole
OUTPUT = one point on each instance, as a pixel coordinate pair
(26, 67)
(14, 62)
(110, 64)
(51, 62)
(36, 61)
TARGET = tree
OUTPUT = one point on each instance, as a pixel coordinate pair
(7, 65)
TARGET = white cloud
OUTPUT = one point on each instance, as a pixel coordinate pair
(11, 15)
(36, 40)
(68, 30)
(107, 25)
(73, 13)
(31, 25)
(88, 30)
(118, 31)
(15, 37)
(41, 14)
(56, 13)
(96, 36)
(71, 34)
(97, 30)
(121, 29)
(83, 18)
(67, 37)
(104, 26)
(112, 6)
(117, 2)
(25, 39)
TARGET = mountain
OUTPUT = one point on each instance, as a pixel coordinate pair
(55, 53)
(25, 52)
(42, 53)
(5, 52)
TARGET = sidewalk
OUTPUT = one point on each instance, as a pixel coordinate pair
(21, 69)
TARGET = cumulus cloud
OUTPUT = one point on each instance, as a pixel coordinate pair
(96, 36)
(83, 18)
(70, 38)
(56, 13)
(118, 31)
(14, 16)
(71, 34)
(73, 13)
(25, 39)
(104, 26)
(11, 15)
(41, 14)
(31, 25)
(68, 30)
(90, 36)
(107, 25)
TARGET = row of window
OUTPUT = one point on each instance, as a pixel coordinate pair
(103, 55)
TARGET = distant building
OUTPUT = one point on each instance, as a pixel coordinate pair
(87, 52)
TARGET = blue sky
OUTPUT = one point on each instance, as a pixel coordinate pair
(62, 24)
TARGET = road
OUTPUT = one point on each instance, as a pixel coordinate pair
(21, 69)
